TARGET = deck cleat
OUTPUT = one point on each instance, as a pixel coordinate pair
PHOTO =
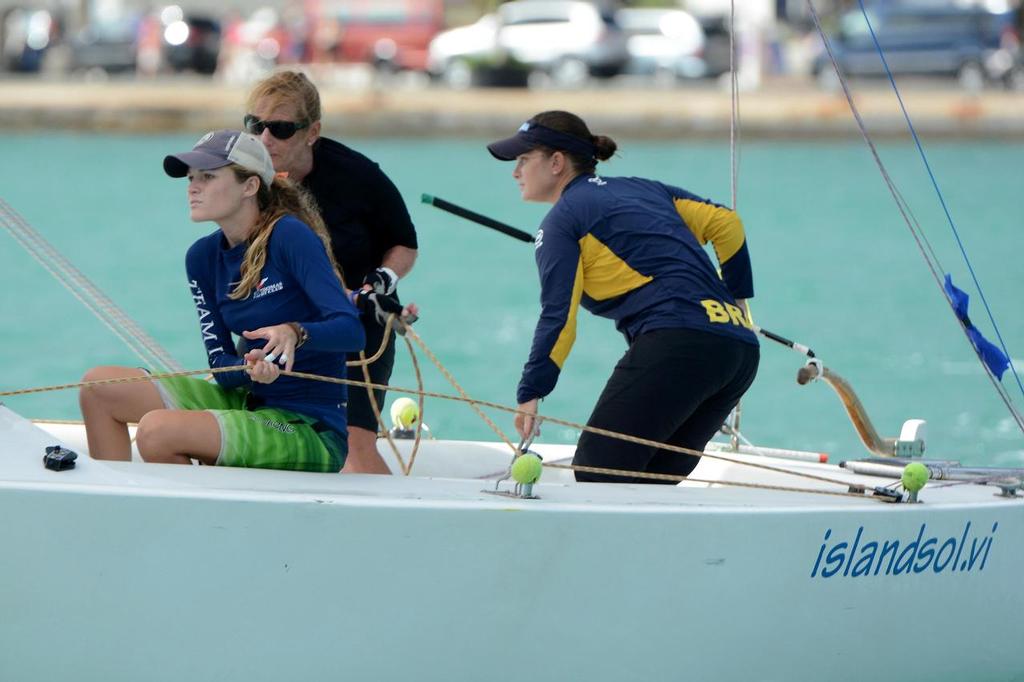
(524, 469)
(408, 434)
(886, 494)
(1008, 487)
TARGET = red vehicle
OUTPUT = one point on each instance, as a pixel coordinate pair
(388, 33)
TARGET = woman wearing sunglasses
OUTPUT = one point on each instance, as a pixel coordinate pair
(267, 275)
(629, 249)
(372, 236)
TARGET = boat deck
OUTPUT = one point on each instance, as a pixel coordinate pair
(464, 473)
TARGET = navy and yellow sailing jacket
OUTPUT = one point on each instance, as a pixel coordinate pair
(630, 249)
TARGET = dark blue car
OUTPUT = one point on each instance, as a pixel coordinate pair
(972, 44)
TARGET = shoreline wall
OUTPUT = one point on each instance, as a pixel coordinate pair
(792, 111)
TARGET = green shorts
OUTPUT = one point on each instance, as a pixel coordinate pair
(264, 438)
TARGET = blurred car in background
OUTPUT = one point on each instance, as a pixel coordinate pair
(454, 55)
(391, 34)
(665, 43)
(971, 43)
(25, 34)
(167, 40)
(566, 41)
(718, 45)
(1014, 80)
(190, 42)
(105, 45)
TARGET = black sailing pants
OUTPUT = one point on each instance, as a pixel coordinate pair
(673, 386)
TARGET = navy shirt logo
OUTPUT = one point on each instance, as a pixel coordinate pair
(263, 289)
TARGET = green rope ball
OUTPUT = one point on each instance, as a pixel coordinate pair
(404, 413)
(915, 475)
(526, 469)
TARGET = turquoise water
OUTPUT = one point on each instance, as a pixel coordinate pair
(835, 268)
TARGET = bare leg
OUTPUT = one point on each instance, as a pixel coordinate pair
(108, 409)
(178, 436)
(363, 457)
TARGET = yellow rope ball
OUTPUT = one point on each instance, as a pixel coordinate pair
(526, 469)
(914, 477)
(404, 413)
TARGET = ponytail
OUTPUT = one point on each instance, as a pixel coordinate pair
(282, 198)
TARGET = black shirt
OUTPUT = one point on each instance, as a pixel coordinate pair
(364, 213)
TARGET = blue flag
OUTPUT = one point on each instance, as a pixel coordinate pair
(991, 355)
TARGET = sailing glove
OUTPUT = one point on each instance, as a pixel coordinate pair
(381, 306)
(382, 280)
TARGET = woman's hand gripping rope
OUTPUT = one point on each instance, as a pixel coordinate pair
(264, 364)
(259, 368)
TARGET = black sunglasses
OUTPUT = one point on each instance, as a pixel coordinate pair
(282, 130)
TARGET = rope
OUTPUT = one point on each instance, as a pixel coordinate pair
(672, 448)
(363, 360)
(679, 479)
(364, 363)
(419, 404)
(98, 303)
(938, 192)
(406, 468)
(451, 379)
(128, 380)
(915, 229)
(376, 408)
(475, 403)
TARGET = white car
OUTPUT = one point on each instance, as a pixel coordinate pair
(663, 42)
(566, 40)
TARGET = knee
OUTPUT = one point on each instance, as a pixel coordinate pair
(88, 394)
(155, 436)
(101, 392)
(106, 372)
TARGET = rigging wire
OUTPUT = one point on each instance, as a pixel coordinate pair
(732, 422)
(924, 246)
(938, 192)
(734, 128)
(98, 303)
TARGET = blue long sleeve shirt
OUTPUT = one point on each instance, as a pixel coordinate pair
(631, 250)
(297, 284)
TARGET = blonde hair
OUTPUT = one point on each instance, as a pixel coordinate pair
(282, 198)
(288, 87)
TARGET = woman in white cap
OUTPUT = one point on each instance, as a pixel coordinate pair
(267, 274)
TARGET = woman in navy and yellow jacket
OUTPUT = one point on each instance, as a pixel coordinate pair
(631, 250)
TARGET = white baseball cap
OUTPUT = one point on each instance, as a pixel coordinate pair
(220, 148)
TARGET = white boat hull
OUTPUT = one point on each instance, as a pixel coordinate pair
(129, 571)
